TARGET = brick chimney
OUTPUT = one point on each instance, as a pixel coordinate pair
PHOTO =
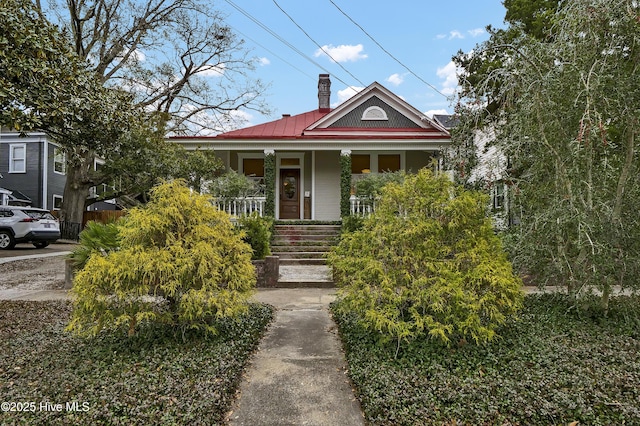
(324, 93)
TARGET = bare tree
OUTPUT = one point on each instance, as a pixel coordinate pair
(175, 56)
(177, 59)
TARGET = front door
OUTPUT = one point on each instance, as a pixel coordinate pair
(289, 193)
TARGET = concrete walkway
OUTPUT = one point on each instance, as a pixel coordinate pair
(298, 376)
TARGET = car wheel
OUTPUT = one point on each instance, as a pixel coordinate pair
(41, 244)
(6, 240)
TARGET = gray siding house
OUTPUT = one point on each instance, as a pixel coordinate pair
(33, 166)
(33, 172)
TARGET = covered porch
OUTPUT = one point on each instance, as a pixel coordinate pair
(307, 163)
(307, 185)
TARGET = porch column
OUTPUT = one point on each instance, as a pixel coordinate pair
(345, 182)
(270, 182)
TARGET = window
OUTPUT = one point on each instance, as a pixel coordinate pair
(59, 161)
(253, 167)
(18, 158)
(498, 196)
(360, 163)
(374, 113)
(289, 162)
(388, 163)
(57, 202)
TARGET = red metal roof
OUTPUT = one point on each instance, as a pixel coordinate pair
(293, 127)
(290, 127)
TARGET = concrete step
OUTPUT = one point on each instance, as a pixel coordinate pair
(308, 228)
(299, 244)
(306, 235)
(295, 239)
(305, 284)
(299, 254)
(299, 248)
(305, 276)
(300, 262)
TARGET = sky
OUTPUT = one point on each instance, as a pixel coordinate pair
(405, 45)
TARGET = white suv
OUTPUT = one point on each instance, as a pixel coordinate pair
(27, 225)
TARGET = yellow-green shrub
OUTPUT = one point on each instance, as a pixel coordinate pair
(427, 263)
(180, 262)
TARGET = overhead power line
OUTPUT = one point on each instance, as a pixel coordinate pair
(275, 54)
(386, 51)
(317, 44)
(281, 39)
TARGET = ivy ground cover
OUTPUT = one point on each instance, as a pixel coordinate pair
(48, 376)
(556, 365)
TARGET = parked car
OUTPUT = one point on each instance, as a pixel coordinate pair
(27, 225)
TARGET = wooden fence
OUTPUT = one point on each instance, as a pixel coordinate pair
(71, 231)
(102, 216)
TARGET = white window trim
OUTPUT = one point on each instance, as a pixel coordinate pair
(373, 158)
(279, 157)
(12, 158)
(374, 113)
(56, 197)
(249, 155)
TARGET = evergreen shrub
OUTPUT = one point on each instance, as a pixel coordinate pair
(180, 263)
(257, 233)
(427, 263)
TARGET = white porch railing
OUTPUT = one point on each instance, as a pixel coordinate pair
(237, 207)
(362, 206)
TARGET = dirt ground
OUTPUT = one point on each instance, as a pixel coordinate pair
(45, 273)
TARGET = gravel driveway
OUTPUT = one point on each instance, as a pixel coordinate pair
(45, 273)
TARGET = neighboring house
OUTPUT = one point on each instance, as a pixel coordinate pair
(33, 170)
(490, 173)
(33, 166)
(376, 128)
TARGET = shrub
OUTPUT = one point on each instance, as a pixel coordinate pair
(427, 263)
(96, 237)
(233, 185)
(178, 248)
(352, 223)
(257, 233)
(370, 185)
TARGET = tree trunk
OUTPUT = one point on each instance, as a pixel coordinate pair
(76, 189)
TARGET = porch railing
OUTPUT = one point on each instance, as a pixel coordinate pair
(361, 206)
(237, 207)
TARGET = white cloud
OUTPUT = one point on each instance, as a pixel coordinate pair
(134, 56)
(456, 34)
(396, 79)
(264, 61)
(347, 93)
(342, 53)
(213, 70)
(433, 112)
(138, 55)
(448, 74)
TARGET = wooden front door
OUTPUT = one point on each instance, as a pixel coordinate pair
(289, 193)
